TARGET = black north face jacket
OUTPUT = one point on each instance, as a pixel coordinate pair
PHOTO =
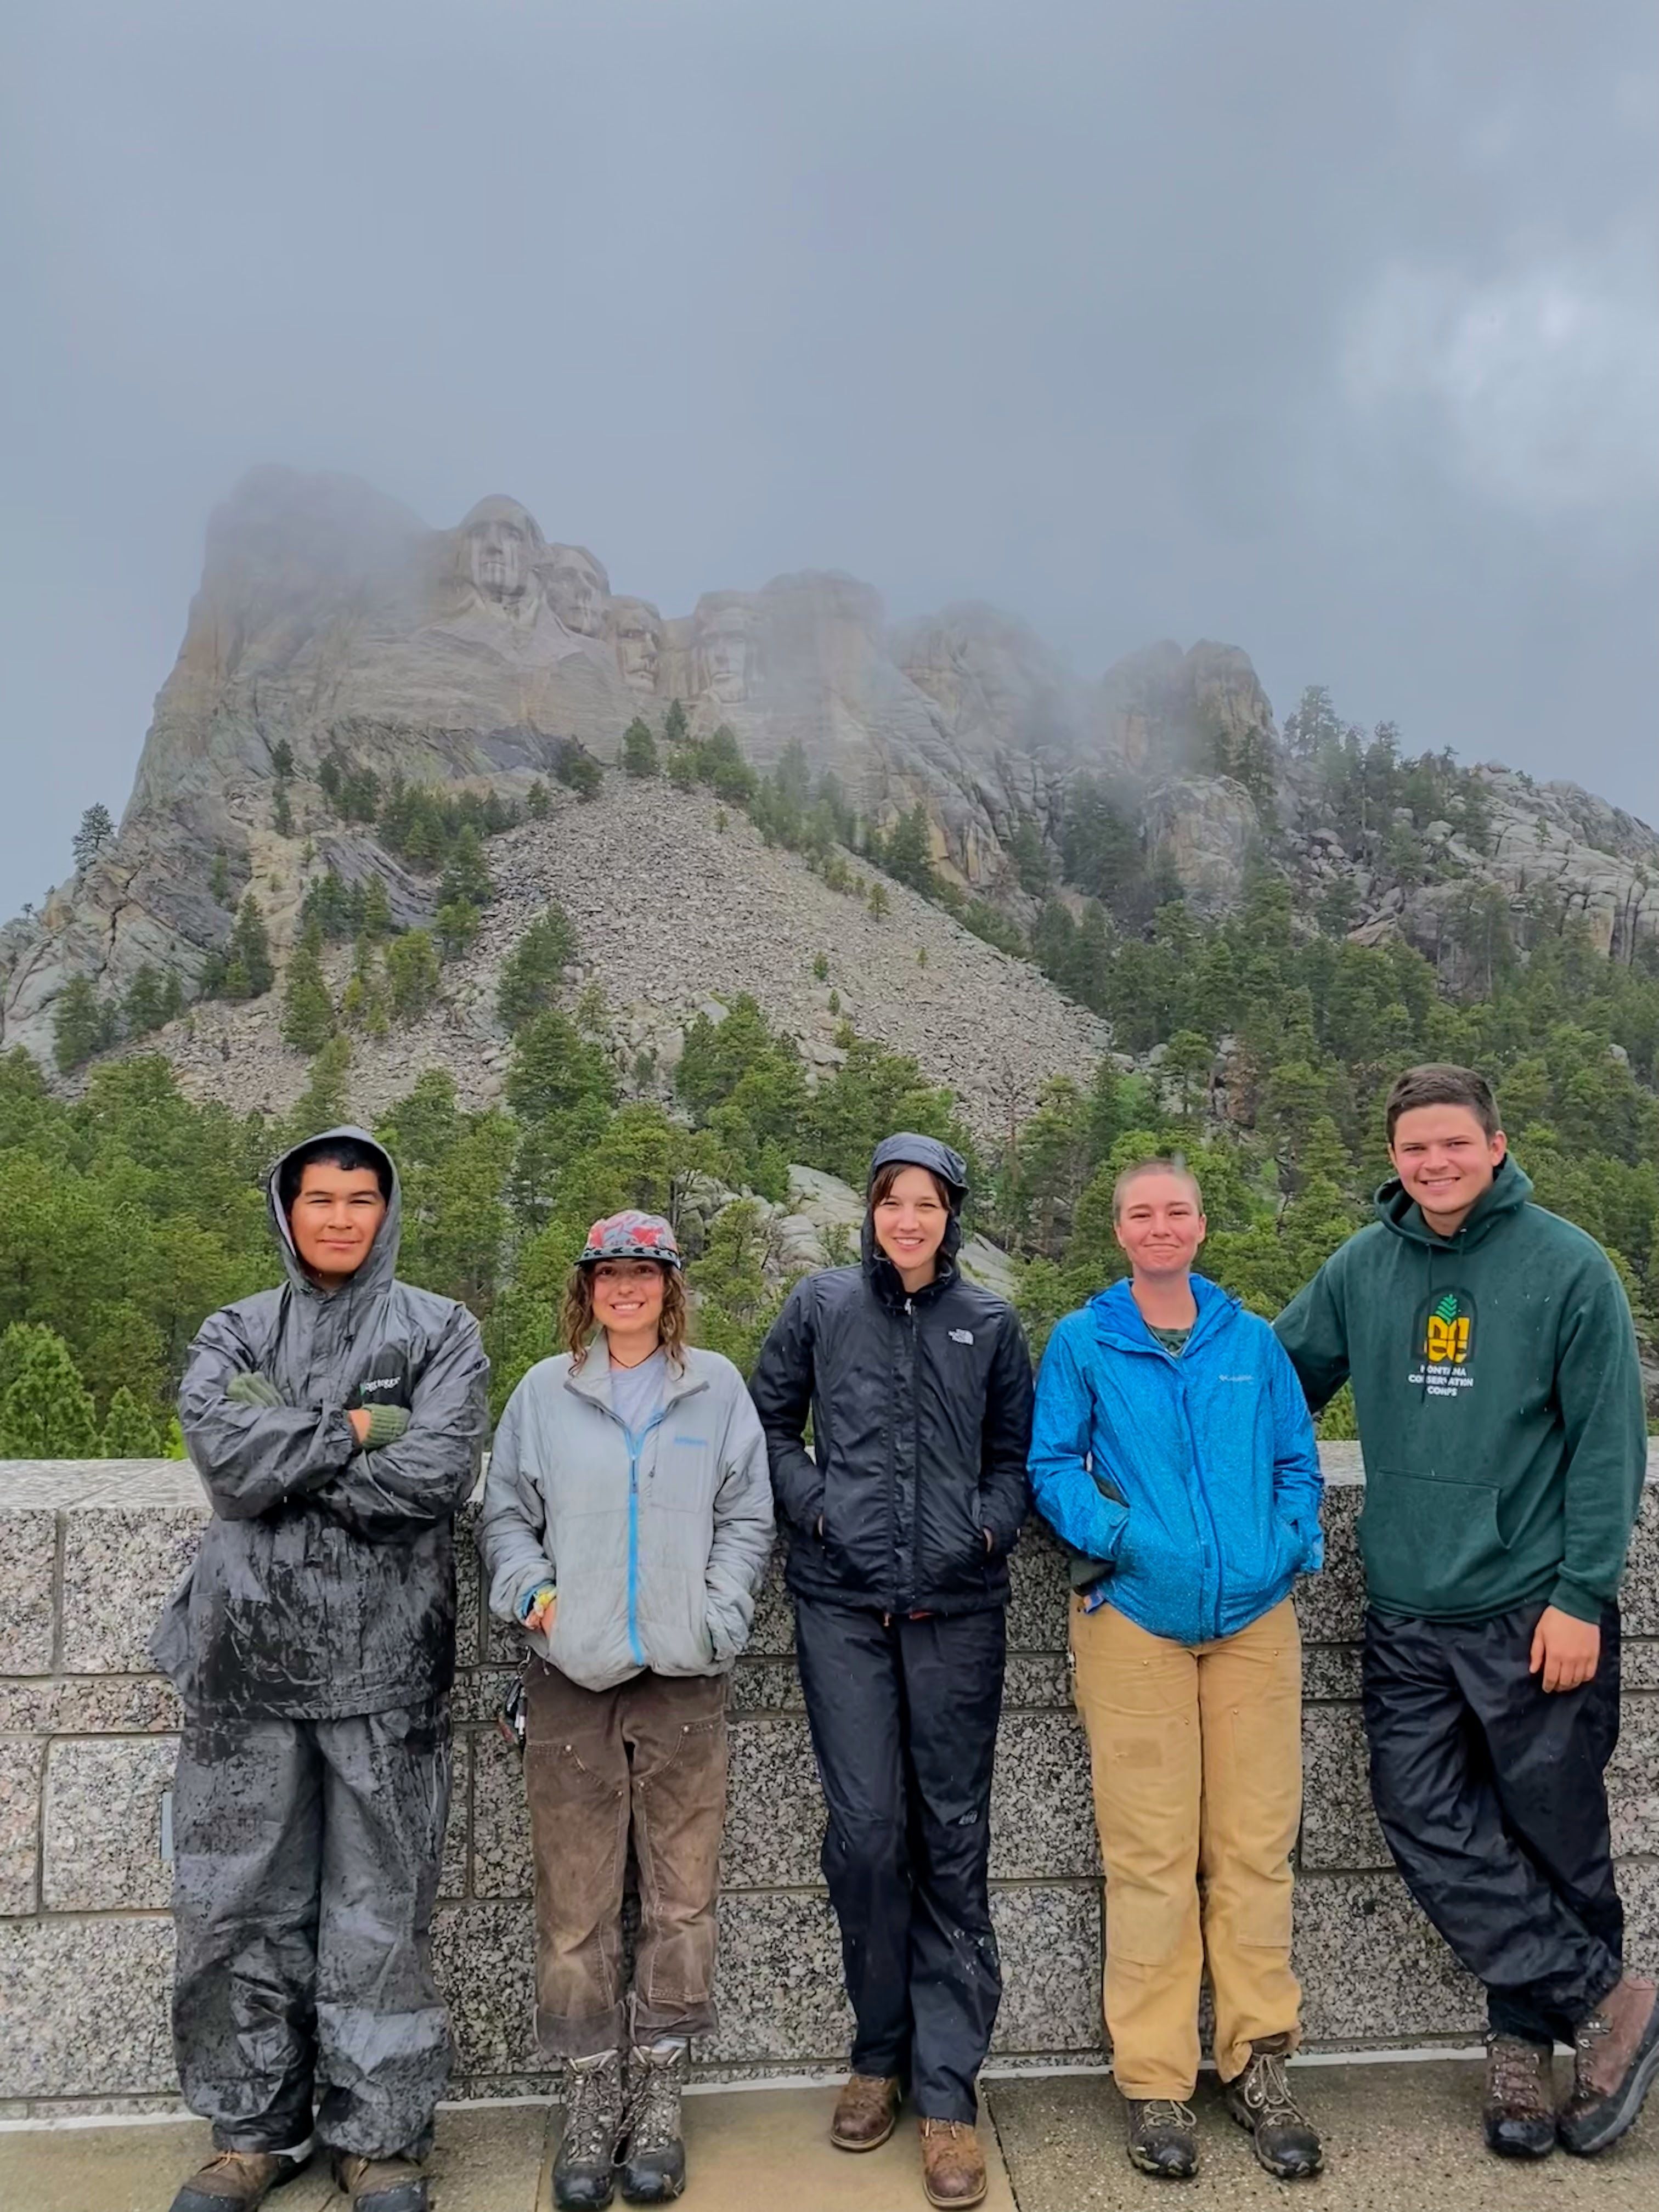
(921, 1407)
(325, 1584)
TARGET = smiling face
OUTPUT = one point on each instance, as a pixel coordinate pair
(1445, 1160)
(911, 1216)
(628, 1296)
(334, 1218)
(1160, 1223)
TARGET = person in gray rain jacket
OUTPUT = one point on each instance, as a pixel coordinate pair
(337, 1424)
(627, 1524)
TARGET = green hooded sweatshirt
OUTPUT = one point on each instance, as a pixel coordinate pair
(1499, 1395)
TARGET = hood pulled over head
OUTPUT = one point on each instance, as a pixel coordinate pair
(907, 1150)
(381, 1264)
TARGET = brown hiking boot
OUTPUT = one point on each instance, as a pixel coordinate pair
(381, 2185)
(1287, 2141)
(1518, 2116)
(952, 2163)
(1615, 2058)
(864, 2111)
(239, 2178)
(1162, 2137)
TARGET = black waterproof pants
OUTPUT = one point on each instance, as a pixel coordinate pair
(307, 1859)
(1492, 1796)
(903, 1715)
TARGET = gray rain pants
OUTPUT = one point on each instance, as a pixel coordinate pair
(305, 1868)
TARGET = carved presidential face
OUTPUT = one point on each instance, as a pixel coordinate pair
(499, 545)
(638, 628)
(578, 590)
(728, 652)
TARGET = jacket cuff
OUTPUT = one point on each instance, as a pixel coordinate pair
(386, 1425)
(1569, 1596)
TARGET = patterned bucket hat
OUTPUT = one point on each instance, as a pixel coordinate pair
(630, 1236)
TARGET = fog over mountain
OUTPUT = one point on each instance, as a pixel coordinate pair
(1330, 332)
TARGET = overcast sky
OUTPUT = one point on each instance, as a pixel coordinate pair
(1324, 328)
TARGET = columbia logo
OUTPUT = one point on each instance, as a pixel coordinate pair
(1235, 1378)
(962, 1336)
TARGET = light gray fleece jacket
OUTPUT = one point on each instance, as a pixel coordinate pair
(656, 1543)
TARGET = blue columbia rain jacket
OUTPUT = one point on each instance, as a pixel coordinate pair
(1192, 1483)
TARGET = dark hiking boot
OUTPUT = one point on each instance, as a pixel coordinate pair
(239, 2178)
(1162, 2137)
(584, 2173)
(1518, 2116)
(1287, 2141)
(1615, 2058)
(652, 2155)
(381, 2185)
(952, 2163)
(864, 2111)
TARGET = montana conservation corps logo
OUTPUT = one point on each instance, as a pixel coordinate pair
(1443, 1345)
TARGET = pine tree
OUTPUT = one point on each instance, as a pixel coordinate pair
(538, 801)
(466, 878)
(307, 1009)
(281, 814)
(131, 1431)
(908, 850)
(322, 1104)
(676, 728)
(45, 1413)
(535, 968)
(95, 831)
(377, 910)
(81, 1024)
(455, 926)
(880, 901)
(219, 878)
(249, 973)
(282, 760)
(640, 747)
(411, 972)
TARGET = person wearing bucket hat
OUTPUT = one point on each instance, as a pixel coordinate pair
(901, 1518)
(627, 1523)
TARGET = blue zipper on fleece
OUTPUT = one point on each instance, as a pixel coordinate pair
(635, 1446)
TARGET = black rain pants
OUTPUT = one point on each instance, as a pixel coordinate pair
(305, 1868)
(904, 1713)
(1492, 1796)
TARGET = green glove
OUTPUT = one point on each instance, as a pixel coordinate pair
(386, 1425)
(254, 1390)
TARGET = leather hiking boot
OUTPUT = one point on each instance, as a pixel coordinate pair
(1518, 2118)
(952, 2163)
(1286, 2141)
(381, 2185)
(652, 2156)
(584, 2175)
(239, 2178)
(864, 2111)
(1162, 2137)
(1615, 2058)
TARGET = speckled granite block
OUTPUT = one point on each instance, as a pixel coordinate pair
(452, 1878)
(28, 1545)
(1331, 1604)
(767, 1686)
(1038, 1591)
(778, 1981)
(1042, 1811)
(1339, 1828)
(1038, 1679)
(83, 2008)
(107, 1704)
(771, 1634)
(1330, 1673)
(500, 1819)
(1633, 1777)
(21, 1763)
(468, 1587)
(773, 1807)
(1638, 1595)
(103, 1832)
(1639, 1662)
(119, 1569)
(485, 1958)
(1372, 1969)
(479, 1691)
(1048, 1936)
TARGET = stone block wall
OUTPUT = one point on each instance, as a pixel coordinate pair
(88, 1733)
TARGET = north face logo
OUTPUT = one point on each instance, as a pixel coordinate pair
(962, 1336)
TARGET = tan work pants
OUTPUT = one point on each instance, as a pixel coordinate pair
(1197, 1758)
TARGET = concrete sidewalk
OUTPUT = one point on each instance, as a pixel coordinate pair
(1400, 2138)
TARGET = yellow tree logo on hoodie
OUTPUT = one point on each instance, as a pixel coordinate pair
(1445, 1341)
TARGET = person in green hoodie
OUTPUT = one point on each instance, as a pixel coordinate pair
(1499, 1400)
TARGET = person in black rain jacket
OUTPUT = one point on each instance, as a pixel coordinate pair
(900, 1519)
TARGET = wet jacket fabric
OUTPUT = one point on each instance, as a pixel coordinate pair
(1498, 1391)
(1192, 1485)
(324, 1585)
(656, 1542)
(920, 1410)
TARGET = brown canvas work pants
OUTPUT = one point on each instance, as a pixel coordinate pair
(645, 1760)
(1196, 1754)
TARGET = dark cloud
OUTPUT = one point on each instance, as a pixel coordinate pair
(1328, 330)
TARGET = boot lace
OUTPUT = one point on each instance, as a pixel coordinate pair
(592, 2112)
(653, 2116)
(1267, 2089)
(1514, 2071)
(1167, 2113)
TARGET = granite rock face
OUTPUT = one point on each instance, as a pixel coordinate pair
(87, 1746)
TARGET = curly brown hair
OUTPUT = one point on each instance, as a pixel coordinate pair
(579, 1328)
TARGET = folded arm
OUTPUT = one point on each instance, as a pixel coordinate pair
(253, 1457)
(428, 1474)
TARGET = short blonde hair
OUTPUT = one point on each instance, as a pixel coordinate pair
(1175, 1164)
